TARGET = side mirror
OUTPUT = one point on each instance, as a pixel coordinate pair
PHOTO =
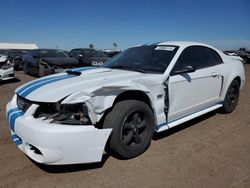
(186, 69)
(80, 55)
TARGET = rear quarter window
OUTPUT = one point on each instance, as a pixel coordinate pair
(206, 57)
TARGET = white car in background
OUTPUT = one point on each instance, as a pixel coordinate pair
(6, 68)
(70, 117)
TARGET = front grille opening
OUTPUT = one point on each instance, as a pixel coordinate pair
(35, 150)
(69, 114)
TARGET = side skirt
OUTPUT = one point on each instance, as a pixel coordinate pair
(167, 125)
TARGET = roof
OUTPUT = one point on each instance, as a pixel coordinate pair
(182, 44)
(18, 46)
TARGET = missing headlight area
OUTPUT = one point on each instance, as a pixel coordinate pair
(71, 114)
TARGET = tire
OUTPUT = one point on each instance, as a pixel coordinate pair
(41, 71)
(25, 68)
(232, 97)
(133, 127)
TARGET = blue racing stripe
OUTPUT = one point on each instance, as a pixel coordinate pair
(36, 82)
(157, 127)
(48, 80)
(83, 69)
(16, 139)
(11, 111)
(13, 118)
(18, 142)
(14, 136)
(31, 89)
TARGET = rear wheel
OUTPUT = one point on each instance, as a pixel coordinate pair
(133, 126)
(232, 97)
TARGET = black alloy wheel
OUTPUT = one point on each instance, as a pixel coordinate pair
(132, 124)
(232, 97)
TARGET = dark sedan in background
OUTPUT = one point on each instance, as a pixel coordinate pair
(42, 62)
(89, 57)
(16, 57)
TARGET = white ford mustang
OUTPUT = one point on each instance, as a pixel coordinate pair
(70, 117)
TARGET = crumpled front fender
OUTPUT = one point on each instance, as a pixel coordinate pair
(101, 99)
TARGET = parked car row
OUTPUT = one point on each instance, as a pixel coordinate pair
(242, 53)
(41, 62)
(89, 57)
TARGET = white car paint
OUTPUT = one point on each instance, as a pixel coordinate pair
(3, 58)
(204, 90)
(6, 74)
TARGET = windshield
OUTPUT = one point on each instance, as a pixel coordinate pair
(53, 53)
(99, 54)
(93, 53)
(151, 58)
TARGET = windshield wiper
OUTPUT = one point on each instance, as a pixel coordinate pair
(128, 68)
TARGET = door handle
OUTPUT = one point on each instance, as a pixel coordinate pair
(214, 74)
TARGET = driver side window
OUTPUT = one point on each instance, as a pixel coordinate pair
(187, 58)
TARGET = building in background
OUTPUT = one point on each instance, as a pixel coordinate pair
(18, 46)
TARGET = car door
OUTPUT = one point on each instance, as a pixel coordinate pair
(194, 91)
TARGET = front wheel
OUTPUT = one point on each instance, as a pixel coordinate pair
(232, 97)
(133, 126)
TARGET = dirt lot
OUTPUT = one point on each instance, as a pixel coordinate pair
(210, 151)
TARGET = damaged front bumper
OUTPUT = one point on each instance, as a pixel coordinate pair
(7, 74)
(55, 144)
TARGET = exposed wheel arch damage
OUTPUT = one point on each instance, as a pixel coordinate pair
(127, 95)
(102, 100)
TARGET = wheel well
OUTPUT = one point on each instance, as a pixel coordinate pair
(136, 95)
(238, 80)
(127, 95)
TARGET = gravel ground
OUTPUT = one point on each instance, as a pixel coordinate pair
(210, 151)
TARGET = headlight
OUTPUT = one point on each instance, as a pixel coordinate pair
(72, 114)
(23, 104)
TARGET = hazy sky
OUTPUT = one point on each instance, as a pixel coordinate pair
(69, 24)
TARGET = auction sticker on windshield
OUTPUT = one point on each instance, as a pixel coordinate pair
(166, 48)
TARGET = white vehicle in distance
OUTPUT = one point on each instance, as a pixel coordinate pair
(70, 117)
(6, 68)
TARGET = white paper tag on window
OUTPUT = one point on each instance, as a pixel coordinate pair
(166, 48)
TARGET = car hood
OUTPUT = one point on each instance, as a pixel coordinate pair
(59, 86)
